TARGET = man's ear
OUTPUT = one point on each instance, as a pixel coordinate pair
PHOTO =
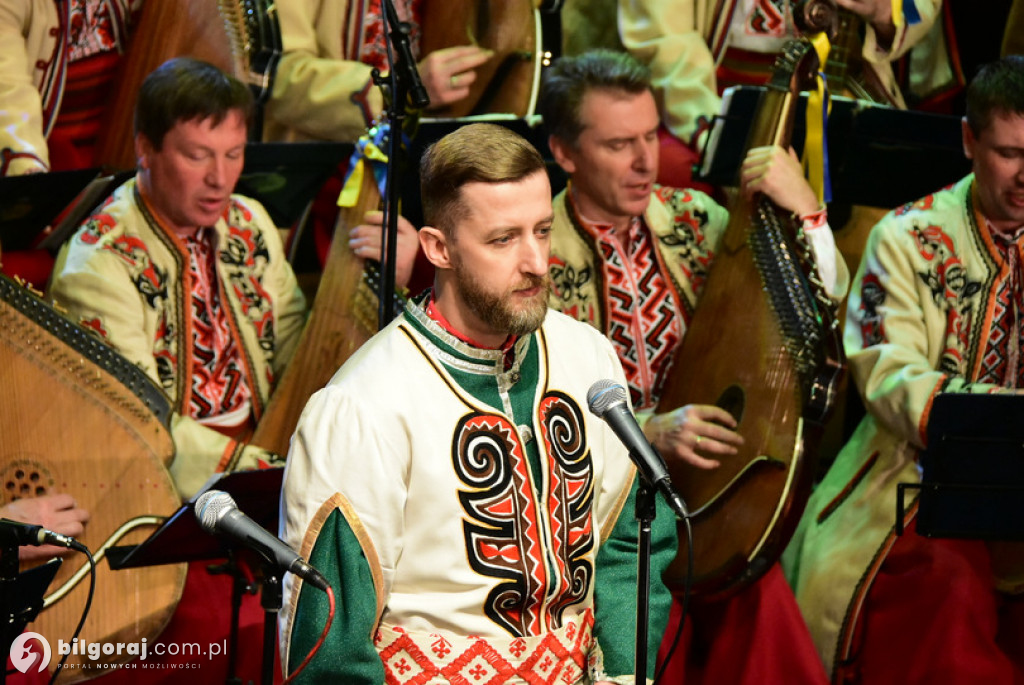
(435, 247)
(969, 141)
(143, 148)
(561, 151)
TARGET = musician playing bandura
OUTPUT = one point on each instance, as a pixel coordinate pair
(475, 521)
(935, 308)
(698, 48)
(323, 90)
(58, 61)
(184, 278)
(630, 258)
(190, 282)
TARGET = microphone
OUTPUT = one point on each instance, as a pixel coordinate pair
(607, 400)
(217, 513)
(27, 534)
(400, 40)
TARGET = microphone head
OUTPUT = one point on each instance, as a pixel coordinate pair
(603, 395)
(211, 506)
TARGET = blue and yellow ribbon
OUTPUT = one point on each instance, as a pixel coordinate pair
(369, 152)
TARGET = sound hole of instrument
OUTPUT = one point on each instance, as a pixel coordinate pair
(24, 478)
(733, 400)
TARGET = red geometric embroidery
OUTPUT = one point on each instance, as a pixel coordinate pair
(479, 665)
(405, 662)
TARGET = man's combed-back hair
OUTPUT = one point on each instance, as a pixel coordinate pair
(186, 89)
(475, 153)
(997, 87)
(570, 78)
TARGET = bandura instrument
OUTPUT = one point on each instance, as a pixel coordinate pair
(764, 345)
(343, 317)
(510, 80)
(166, 29)
(78, 418)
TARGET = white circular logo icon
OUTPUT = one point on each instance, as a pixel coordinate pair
(24, 658)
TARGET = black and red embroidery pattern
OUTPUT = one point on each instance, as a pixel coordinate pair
(946, 279)
(654, 321)
(218, 380)
(570, 498)
(872, 296)
(245, 258)
(505, 529)
(767, 18)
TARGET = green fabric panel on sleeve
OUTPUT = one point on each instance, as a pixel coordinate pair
(615, 587)
(347, 654)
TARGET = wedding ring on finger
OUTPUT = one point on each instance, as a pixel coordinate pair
(455, 80)
(696, 443)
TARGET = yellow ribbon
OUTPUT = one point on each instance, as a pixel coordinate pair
(814, 157)
(354, 182)
(897, 14)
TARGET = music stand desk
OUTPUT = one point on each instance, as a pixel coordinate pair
(181, 538)
(878, 156)
(30, 203)
(972, 473)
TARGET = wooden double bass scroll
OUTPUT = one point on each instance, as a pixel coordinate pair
(764, 344)
(78, 418)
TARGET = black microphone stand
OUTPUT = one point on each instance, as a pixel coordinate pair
(271, 599)
(646, 511)
(405, 84)
(11, 626)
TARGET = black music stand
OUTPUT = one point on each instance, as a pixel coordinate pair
(972, 473)
(284, 177)
(21, 596)
(30, 203)
(180, 538)
(878, 156)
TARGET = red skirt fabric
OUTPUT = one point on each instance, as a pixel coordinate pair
(755, 637)
(932, 616)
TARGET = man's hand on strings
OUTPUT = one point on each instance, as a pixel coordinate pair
(696, 433)
(878, 13)
(59, 513)
(447, 74)
(366, 241)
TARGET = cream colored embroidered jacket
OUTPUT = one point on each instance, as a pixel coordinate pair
(921, 318)
(475, 522)
(683, 41)
(321, 89)
(125, 276)
(33, 66)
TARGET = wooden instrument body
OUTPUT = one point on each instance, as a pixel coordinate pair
(744, 351)
(846, 69)
(506, 83)
(166, 29)
(76, 419)
(343, 317)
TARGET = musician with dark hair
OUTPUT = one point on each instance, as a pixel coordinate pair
(186, 279)
(475, 521)
(190, 282)
(631, 258)
(935, 308)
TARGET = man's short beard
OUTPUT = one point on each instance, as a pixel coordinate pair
(495, 310)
